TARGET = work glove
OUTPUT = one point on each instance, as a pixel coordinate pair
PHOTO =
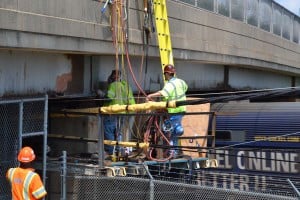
(100, 93)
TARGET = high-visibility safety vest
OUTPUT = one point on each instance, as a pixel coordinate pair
(175, 89)
(26, 184)
(120, 93)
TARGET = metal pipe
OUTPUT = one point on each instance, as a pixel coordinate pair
(294, 187)
(33, 134)
(20, 100)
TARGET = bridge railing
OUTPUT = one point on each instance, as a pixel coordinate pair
(264, 14)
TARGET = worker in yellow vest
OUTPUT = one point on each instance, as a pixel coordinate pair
(118, 92)
(25, 183)
(174, 89)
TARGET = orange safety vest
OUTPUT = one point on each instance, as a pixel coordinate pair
(26, 184)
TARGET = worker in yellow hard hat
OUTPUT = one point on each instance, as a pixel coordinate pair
(25, 183)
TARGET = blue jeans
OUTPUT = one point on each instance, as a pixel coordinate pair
(110, 127)
(175, 121)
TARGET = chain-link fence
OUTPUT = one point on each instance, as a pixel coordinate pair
(21, 120)
(136, 188)
(160, 181)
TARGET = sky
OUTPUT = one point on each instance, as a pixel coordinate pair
(292, 5)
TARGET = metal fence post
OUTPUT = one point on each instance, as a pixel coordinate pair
(63, 175)
(45, 137)
(151, 192)
(100, 141)
(20, 124)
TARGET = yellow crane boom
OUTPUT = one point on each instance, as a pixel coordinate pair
(163, 32)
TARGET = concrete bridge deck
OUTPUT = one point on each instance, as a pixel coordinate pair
(220, 40)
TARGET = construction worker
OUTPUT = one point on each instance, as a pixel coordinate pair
(118, 92)
(25, 183)
(174, 89)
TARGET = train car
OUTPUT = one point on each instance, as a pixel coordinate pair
(257, 146)
(265, 125)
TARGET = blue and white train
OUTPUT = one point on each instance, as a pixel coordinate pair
(257, 146)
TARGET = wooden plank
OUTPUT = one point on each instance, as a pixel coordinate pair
(194, 126)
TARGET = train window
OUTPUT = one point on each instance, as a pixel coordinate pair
(223, 135)
(233, 136)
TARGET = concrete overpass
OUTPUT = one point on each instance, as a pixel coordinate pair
(66, 46)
